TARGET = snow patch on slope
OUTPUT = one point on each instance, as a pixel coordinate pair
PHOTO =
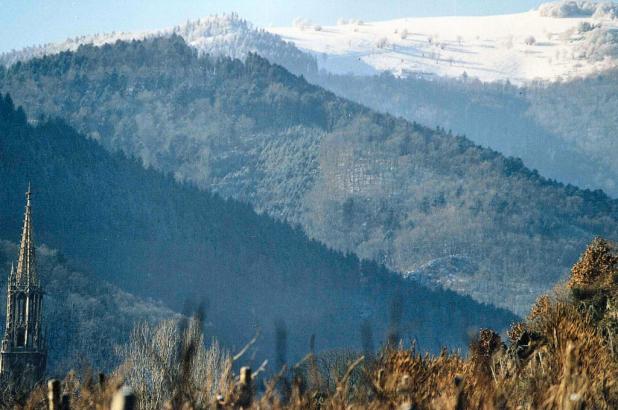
(462, 275)
(518, 47)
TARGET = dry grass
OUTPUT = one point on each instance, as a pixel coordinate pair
(561, 357)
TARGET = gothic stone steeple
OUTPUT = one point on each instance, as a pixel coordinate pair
(23, 354)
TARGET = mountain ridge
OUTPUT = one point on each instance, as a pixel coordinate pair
(225, 35)
(359, 181)
(569, 142)
(148, 234)
(564, 130)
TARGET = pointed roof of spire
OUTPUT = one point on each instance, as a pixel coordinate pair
(26, 264)
(12, 275)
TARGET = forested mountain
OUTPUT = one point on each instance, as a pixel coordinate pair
(226, 35)
(565, 130)
(582, 113)
(155, 237)
(85, 317)
(382, 187)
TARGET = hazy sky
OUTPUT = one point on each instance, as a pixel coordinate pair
(28, 22)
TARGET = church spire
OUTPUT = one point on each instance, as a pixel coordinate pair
(23, 353)
(26, 264)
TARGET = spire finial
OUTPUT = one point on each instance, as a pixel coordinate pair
(26, 264)
(28, 194)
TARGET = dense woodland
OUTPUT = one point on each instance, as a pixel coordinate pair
(384, 188)
(581, 112)
(565, 130)
(157, 238)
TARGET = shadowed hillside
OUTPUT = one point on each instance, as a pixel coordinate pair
(150, 235)
(493, 115)
(565, 130)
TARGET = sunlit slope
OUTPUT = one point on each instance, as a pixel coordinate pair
(516, 47)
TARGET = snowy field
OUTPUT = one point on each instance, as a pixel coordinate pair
(557, 41)
(549, 43)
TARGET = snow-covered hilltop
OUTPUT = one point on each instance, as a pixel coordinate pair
(226, 35)
(556, 41)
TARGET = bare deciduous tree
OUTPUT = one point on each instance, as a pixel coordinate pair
(170, 363)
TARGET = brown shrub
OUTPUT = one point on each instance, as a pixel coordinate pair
(596, 267)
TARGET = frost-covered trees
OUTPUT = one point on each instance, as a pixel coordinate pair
(382, 42)
(585, 27)
(353, 23)
(302, 23)
(225, 35)
(572, 8)
(305, 24)
(597, 44)
(170, 361)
